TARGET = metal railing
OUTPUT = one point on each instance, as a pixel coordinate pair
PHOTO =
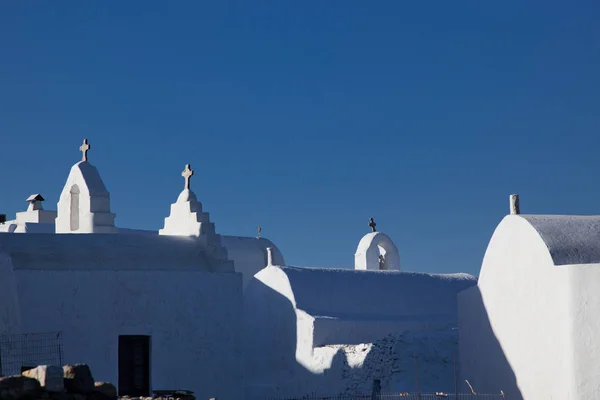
(402, 396)
(19, 352)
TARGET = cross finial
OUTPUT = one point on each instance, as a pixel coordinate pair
(372, 224)
(187, 174)
(84, 148)
(259, 231)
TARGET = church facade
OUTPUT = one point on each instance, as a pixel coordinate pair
(144, 309)
(225, 316)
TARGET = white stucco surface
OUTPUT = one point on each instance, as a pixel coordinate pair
(187, 218)
(530, 326)
(249, 254)
(193, 318)
(352, 369)
(97, 251)
(351, 294)
(34, 221)
(10, 313)
(571, 239)
(84, 204)
(377, 251)
(8, 226)
(289, 312)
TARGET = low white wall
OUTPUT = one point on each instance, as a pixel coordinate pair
(285, 324)
(514, 334)
(194, 319)
(126, 252)
(269, 331)
(335, 331)
(352, 369)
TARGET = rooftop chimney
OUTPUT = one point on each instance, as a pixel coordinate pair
(514, 204)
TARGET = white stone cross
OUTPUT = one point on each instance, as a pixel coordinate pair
(187, 174)
(84, 148)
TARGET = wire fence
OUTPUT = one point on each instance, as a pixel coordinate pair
(19, 352)
(403, 396)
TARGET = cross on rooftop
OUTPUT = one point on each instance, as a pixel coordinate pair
(84, 148)
(187, 174)
(259, 230)
(372, 224)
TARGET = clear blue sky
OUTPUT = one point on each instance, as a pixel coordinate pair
(309, 117)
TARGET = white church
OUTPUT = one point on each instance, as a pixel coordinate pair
(225, 317)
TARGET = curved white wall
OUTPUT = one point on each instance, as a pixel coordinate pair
(270, 328)
(514, 330)
(249, 254)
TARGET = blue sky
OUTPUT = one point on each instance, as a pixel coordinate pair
(310, 117)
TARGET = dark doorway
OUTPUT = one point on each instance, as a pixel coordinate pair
(134, 365)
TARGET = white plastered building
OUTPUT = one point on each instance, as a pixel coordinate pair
(173, 296)
(302, 323)
(530, 327)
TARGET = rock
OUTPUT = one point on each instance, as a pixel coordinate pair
(107, 389)
(50, 377)
(61, 396)
(78, 379)
(44, 396)
(19, 388)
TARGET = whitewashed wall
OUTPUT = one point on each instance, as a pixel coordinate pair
(514, 326)
(10, 314)
(584, 320)
(194, 319)
(292, 315)
(352, 369)
(249, 254)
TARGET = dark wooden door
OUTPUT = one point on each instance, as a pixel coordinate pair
(134, 365)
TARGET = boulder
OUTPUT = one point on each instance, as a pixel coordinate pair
(50, 377)
(19, 388)
(107, 389)
(78, 379)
